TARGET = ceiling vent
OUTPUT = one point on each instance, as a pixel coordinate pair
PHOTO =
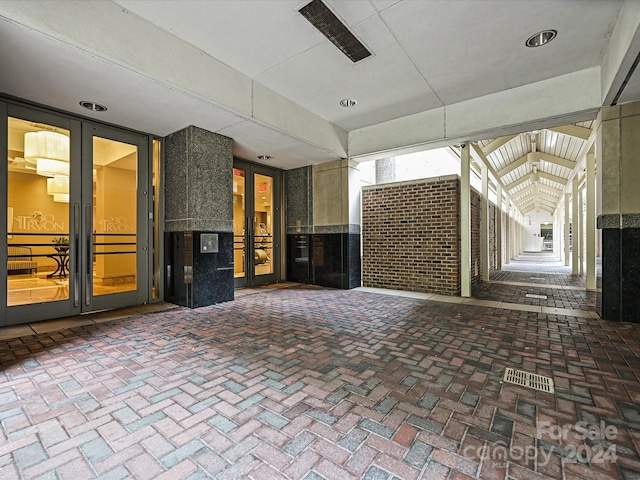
(331, 27)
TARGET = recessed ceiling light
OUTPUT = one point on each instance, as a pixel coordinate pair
(264, 157)
(541, 38)
(93, 106)
(348, 102)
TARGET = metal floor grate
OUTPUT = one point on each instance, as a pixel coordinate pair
(529, 380)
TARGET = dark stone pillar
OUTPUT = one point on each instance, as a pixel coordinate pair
(198, 192)
(618, 175)
(299, 224)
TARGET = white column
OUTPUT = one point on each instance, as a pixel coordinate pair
(507, 234)
(484, 223)
(581, 225)
(499, 229)
(591, 221)
(521, 234)
(465, 221)
(567, 226)
(575, 228)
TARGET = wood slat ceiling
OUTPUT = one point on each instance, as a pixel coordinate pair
(537, 165)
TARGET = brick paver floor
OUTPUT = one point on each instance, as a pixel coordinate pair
(537, 279)
(316, 383)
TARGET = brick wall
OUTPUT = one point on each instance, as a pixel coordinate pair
(411, 236)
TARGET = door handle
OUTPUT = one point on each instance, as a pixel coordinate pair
(76, 254)
(88, 229)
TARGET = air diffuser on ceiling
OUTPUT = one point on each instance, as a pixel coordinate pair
(331, 27)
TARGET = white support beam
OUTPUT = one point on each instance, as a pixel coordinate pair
(575, 227)
(507, 233)
(538, 199)
(567, 228)
(588, 145)
(515, 164)
(590, 227)
(562, 162)
(555, 191)
(497, 143)
(532, 189)
(553, 178)
(574, 131)
(518, 182)
(465, 221)
(476, 152)
(541, 206)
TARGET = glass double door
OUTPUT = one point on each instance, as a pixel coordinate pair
(256, 224)
(76, 216)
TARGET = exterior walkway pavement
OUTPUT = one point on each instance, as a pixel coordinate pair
(312, 383)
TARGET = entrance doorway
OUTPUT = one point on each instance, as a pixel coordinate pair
(77, 217)
(256, 224)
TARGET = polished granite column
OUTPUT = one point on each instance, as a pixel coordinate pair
(299, 223)
(618, 208)
(198, 195)
(323, 225)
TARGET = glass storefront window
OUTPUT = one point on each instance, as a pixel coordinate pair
(263, 228)
(38, 213)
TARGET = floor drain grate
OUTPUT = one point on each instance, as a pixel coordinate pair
(533, 295)
(529, 380)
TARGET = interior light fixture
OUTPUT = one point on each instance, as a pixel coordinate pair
(58, 185)
(61, 198)
(348, 102)
(50, 168)
(93, 106)
(541, 38)
(48, 151)
(264, 157)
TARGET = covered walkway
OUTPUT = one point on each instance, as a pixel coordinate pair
(305, 382)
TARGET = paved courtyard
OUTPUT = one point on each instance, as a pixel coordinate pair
(312, 383)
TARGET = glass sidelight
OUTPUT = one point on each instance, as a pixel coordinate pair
(78, 217)
(255, 225)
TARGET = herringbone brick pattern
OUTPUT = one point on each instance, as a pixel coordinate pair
(309, 383)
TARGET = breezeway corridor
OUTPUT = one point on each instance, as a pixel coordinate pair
(301, 382)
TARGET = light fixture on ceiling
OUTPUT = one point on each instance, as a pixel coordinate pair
(58, 188)
(541, 38)
(49, 151)
(264, 157)
(348, 102)
(58, 184)
(93, 106)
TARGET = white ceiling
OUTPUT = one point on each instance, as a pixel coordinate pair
(441, 71)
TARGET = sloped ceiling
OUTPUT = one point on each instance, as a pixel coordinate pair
(441, 72)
